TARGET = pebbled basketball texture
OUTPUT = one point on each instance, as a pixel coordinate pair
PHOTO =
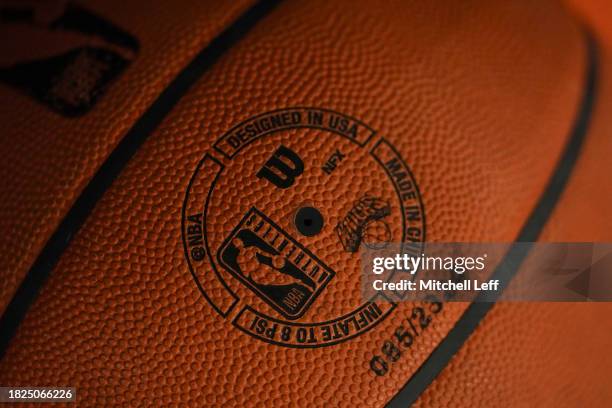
(55, 157)
(478, 99)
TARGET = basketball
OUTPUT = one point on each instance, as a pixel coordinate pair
(192, 191)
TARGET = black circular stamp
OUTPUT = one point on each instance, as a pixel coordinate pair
(274, 217)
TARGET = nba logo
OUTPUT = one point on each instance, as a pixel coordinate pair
(273, 265)
(68, 55)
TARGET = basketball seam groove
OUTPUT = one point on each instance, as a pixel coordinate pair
(111, 168)
(530, 232)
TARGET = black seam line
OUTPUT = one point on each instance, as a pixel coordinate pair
(530, 232)
(116, 161)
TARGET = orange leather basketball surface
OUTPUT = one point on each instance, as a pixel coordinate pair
(477, 98)
(52, 157)
(551, 353)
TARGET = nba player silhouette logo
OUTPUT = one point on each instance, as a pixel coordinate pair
(273, 265)
(287, 274)
(60, 53)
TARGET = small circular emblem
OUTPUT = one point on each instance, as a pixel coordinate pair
(274, 217)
